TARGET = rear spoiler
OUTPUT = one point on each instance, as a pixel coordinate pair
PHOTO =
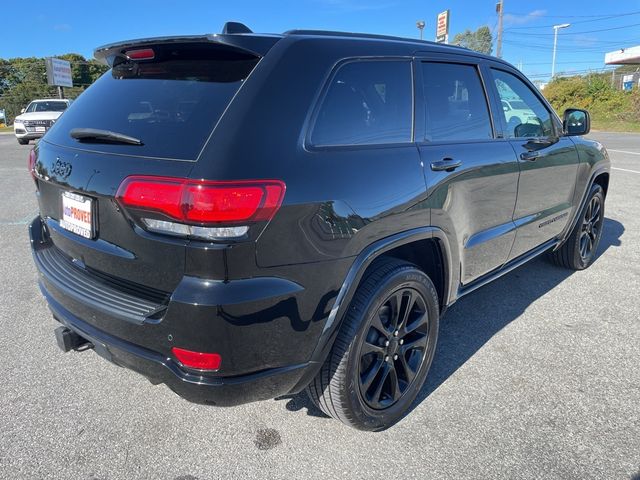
(250, 43)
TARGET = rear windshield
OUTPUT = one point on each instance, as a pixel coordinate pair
(46, 106)
(170, 103)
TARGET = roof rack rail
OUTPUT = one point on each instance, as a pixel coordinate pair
(373, 36)
(235, 27)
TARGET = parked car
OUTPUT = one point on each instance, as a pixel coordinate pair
(37, 118)
(244, 216)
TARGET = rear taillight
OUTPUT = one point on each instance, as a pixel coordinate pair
(204, 209)
(197, 360)
(32, 162)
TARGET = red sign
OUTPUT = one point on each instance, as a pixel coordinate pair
(442, 26)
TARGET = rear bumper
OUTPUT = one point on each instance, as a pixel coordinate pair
(220, 391)
(257, 325)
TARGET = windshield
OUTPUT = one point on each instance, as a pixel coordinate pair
(170, 104)
(46, 106)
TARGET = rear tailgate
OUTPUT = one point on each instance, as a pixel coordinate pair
(170, 98)
(116, 247)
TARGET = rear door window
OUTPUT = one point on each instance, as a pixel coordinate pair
(455, 103)
(170, 103)
(367, 102)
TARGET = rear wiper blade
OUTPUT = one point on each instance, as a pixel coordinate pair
(103, 136)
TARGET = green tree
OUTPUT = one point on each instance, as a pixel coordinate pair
(23, 79)
(481, 40)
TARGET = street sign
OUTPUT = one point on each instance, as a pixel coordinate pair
(442, 27)
(58, 72)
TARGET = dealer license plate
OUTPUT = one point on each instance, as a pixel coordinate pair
(77, 214)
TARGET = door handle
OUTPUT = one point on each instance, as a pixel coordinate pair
(530, 156)
(446, 164)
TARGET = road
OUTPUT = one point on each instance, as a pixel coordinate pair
(536, 376)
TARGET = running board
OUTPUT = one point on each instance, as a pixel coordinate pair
(506, 268)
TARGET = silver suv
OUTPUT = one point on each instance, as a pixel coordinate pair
(37, 118)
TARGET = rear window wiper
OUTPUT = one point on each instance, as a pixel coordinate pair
(103, 136)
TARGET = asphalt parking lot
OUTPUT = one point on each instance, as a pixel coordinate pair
(536, 376)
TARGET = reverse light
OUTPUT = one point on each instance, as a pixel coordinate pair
(204, 209)
(182, 230)
(197, 360)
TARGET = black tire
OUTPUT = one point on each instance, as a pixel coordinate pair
(23, 141)
(579, 250)
(339, 389)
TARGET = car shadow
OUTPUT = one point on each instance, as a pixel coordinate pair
(475, 319)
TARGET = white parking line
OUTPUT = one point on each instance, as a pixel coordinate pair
(623, 151)
(624, 170)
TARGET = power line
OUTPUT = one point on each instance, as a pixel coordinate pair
(608, 17)
(578, 33)
(571, 16)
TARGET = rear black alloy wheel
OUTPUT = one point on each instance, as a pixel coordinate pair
(591, 225)
(394, 348)
(383, 350)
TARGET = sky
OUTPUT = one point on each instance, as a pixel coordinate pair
(597, 26)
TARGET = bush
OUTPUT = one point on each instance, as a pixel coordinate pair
(594, 93)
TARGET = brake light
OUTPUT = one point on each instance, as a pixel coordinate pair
(188, 207)
(204, 202)
(141, 54)
(32, 162)
(197, 360)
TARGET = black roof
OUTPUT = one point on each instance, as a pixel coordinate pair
(238, 35)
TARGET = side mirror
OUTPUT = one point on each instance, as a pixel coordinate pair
(576, 122)
(22, 110)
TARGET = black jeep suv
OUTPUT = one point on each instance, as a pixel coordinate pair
(244, 216)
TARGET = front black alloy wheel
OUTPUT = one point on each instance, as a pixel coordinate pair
(384, 348)
(591, 225)
(579, 250)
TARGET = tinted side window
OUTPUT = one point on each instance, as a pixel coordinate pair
(368, 102)
(456, 105)
(528, 117)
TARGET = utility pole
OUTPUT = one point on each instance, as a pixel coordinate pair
(499, 10)
(555, 44)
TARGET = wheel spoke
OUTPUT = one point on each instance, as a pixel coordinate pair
(409, 374)
(587, 215)
(368, 347)
(394, 304)
(583, 245)
(372, 374)
(595, 214)
(376, 322)
(418, 342)
(416, 324)
(383, 378)
(395, 385)
(408, 300)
